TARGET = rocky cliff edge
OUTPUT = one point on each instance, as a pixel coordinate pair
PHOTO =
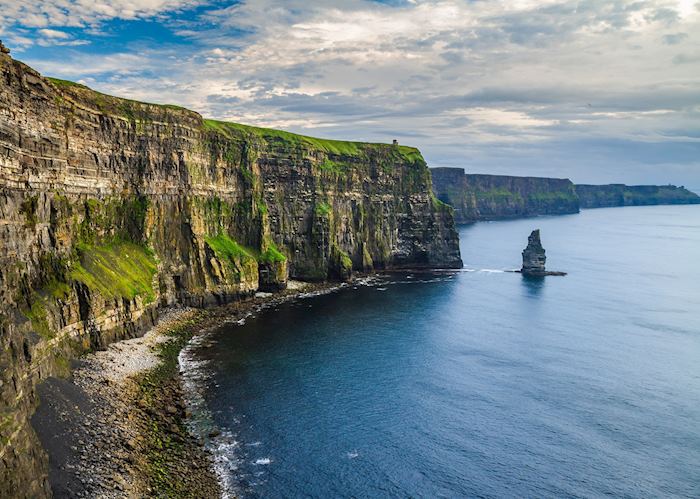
(111, 209)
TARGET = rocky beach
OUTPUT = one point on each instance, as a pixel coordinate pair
(115, 211)
(117, 427)
(272, 249)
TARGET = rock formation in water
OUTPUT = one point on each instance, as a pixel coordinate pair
(534, 258)
(491, 197)
(602, 196)
(112, 209)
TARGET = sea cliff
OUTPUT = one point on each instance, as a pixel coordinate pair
(112, 209)
(603, 196)
(490, 197)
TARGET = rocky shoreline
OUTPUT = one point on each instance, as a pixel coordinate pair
(117, 427)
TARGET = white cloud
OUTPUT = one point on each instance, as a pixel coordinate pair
(52, 33)
(502, 117)
(91, 67)
(77, 13)
(445, 75)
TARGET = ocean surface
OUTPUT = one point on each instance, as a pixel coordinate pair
(479, 382)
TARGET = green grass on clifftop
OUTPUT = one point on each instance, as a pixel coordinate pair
(137, 110)
(65, 83)
(336, 147)
(109, 104)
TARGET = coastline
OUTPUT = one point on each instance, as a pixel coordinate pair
(217, 441)
(119, 426)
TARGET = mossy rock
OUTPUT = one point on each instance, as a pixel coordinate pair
(341, 265)
(117, 270)
(239, 263)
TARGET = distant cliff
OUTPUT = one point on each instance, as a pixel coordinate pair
(489, 197)
(601, 196)
(477, 197)
(111, 209)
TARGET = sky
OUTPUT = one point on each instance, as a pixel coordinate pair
(596, 91)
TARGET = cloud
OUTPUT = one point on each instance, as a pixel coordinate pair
(79, 13)
(51, 37)
(52, 33)
(91, 68)
(674, 38)
(687, 58)
(469, 82)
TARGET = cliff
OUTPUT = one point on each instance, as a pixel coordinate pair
(111, 209)
(490, 197)
(601, 196)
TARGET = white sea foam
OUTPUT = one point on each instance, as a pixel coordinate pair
(487, 271)
(196, 376)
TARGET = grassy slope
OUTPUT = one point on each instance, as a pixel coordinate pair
(336, 147)
(126, 107)
(120, 269)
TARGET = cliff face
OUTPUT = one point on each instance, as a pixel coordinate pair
(111, 209)
(490, 197)
(601, 196)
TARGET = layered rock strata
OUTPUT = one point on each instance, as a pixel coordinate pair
(534, 258)
(611, 195)
(477, 197)
(490, 197)
(111, 209)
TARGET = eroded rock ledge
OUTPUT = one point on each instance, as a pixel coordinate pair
(111, 209)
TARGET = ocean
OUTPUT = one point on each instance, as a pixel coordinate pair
(474, 383)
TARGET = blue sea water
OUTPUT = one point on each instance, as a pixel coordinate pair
(479, 382)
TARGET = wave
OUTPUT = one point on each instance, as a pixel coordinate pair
(220, 444)
(228, 453)
(488, 271)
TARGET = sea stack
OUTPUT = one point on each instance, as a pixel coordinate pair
(533, 256)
